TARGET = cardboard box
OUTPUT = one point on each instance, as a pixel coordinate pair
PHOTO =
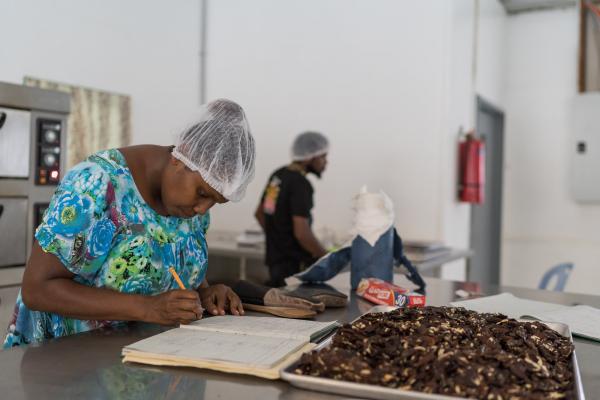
(381, 292)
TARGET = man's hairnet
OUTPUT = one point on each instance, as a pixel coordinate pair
(220, 147)
(308, 145)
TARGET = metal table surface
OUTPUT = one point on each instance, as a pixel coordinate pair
(89, 365)
(224, 244)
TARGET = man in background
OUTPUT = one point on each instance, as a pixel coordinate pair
(284, 211)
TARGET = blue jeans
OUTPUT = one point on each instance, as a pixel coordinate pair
(366, 261)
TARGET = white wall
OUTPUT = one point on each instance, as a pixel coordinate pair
(491, 52)
(465, 80)
(372, 76)
(543, 225)
(367, 74)
(389, 82)
(459, 113)
(146, 49)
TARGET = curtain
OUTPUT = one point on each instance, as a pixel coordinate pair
(99, 120)
(592, 48)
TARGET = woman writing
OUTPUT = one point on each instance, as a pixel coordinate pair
(120, 219)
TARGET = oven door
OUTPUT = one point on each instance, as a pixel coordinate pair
(15, 127)
(13, 231)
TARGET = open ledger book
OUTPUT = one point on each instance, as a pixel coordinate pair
(258, 346)
(583, 320)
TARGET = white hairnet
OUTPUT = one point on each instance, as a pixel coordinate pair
(308, 145)
(220, 147)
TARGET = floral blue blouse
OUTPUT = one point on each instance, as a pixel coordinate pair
(103, 231)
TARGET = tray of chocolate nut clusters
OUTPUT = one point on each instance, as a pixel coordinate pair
(442, 353)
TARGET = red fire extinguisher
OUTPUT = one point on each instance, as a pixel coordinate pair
(471, 170)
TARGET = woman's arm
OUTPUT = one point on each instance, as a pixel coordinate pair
(48, 286)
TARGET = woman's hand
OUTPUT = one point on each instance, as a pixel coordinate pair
(217, 299)
(174, 307)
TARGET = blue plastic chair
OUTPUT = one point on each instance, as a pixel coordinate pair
(561, 272)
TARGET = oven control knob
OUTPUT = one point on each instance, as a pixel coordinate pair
(50, 136)
(49, 159)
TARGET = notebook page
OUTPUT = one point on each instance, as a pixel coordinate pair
(263, 326)
(508, 304)
(256, 351)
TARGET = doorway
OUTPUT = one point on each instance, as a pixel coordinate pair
(486, 218)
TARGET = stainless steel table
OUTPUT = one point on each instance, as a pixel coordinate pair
(89, 365)
(224, 244)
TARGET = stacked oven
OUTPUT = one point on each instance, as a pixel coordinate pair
(32, 161)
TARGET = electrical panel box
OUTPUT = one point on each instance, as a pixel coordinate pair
(585, 148)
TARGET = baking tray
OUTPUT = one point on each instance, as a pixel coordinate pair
(380, 392)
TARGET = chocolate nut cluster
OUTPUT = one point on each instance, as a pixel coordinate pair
(450, 351)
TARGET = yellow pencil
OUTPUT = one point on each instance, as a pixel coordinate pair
(177, 278)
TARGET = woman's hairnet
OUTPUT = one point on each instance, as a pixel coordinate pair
(220, 147)
(308, 145)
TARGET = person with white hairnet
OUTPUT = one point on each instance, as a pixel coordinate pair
(284, 211)
(121, 220)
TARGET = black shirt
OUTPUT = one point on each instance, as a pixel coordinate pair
(288, 193)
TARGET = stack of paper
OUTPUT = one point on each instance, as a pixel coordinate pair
(583, 320)
(251, 238)
(421, 251)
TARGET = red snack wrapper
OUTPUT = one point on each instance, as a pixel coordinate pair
(382, 292)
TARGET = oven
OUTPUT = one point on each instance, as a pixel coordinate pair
(32, 159)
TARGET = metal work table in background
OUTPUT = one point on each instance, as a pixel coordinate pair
(89, 365)
(223, 244)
